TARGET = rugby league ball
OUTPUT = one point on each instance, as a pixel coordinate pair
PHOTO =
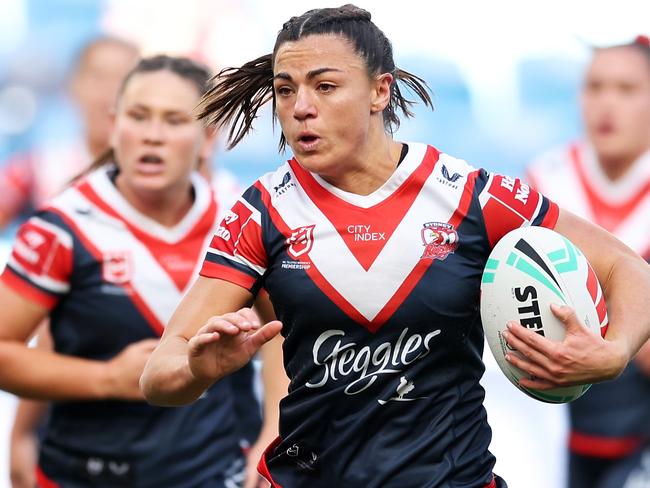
(529, 269)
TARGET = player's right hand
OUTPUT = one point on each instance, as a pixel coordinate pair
(227, 342)
(124, 370)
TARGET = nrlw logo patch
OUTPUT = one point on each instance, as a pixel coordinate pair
(117, 267)
(301, 241)
(439, 240)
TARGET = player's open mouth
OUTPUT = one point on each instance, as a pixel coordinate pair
(308, 141)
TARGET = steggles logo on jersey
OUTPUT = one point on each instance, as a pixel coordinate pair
(284, 185)
(440, 239)
(117, 267)
(301, 240)
(364, 365)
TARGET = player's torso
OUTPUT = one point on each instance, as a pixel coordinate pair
(379, 337)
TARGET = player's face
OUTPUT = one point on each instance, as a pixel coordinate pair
(95, 88)
(616, 103)
(324, 101)
(156, 139)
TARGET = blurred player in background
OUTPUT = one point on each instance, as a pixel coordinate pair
(107, 260)
(606, 179)
(372, 252)
(28, 179)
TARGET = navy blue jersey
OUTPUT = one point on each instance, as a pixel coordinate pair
(612, 419)
(110, 277)
(379, 298)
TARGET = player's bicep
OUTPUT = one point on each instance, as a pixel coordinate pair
(19, 316)
(601, 248)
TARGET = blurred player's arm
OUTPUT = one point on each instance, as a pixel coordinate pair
(276, 385)
(210, 335)
(23, 449)
(584, 357)
(46, 375)
(15, 187)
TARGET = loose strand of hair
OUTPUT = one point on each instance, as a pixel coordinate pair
(414, 84)
(236, 96)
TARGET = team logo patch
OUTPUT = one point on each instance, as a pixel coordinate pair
(117, 267)
(301, 240)
(35, 249)
(439, 240)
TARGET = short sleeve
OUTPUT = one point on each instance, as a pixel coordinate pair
(237, 253)
(508, 203)
(40, 265)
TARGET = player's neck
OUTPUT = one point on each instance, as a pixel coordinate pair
(165, 207)
(615, 167)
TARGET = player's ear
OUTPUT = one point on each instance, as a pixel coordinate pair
(380, 95)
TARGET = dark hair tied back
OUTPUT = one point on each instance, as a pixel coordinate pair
(238, 93)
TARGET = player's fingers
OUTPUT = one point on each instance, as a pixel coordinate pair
(265, 333)
(525, 349)
(198, 342)
(250, 315)
(568, 317)
(536, 384)
(223, 326)
(531, 339)
(532, 369)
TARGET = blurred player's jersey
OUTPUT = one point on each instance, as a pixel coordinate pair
(612, 418)
(28, 180)
(112, 276)
(379, 297)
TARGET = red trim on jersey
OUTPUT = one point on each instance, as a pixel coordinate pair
(606, 214)
(380, 221)
(262, 467)
(405, 288)
(24, 288)
(501, 220)
(492, 484)
(592, 285)
(603, 447)
(232, 275)
(189, 243)
(552, 214)
(42, 481)
(137, 300)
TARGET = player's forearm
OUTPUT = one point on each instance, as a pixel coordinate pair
(276, 385)
(167, 379)
(44, 375)
(627, 293)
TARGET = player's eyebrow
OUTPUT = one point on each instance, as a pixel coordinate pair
(283, 75)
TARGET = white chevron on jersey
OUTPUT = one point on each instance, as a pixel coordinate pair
(369, 291)
(110, 194)
(562, 175)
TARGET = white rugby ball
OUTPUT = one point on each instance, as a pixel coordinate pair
(528, 269)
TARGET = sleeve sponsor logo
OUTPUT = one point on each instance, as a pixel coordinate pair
(515, 194)
(35, 249)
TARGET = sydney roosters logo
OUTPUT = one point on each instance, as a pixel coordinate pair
(439, 240)
(301, 240)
